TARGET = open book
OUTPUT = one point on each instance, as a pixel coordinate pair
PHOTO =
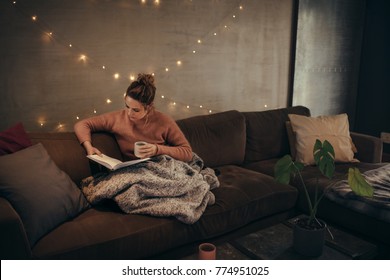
(112, 163)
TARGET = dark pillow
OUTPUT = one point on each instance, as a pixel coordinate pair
(14, 139)
(43, 195)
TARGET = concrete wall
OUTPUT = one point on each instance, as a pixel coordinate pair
(328, 55)
(242, 62)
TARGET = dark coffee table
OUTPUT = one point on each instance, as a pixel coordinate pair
(275, 242)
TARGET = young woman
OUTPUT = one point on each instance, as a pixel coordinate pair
(139, 121)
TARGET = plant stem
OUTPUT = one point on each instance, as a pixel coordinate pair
(312, 214)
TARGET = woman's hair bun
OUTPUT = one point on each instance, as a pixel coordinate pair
(146, 79)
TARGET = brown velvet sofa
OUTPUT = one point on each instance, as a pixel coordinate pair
(241, 147)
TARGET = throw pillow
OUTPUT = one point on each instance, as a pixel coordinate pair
(14, 139)
(335, 129)
(43, 195)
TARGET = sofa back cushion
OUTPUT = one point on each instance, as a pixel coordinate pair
(267, 134)
(66, 151)
(219, 139)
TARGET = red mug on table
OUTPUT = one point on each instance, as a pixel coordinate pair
(207, 251)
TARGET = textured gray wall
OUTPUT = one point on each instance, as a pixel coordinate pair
(245, 66)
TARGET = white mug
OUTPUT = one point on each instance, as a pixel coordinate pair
(137, 145)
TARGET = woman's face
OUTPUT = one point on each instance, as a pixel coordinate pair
(135, 109)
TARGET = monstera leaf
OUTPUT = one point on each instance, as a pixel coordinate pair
(358, 184)
(324, 157)
(285, 167)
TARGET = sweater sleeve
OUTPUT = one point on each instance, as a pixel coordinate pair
(177, 145)
(84, 128)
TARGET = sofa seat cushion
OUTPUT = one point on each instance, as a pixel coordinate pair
(263, 166)
(105, 232)
(244, 196)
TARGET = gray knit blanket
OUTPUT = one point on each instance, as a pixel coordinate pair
(377, 206)
(161, 187)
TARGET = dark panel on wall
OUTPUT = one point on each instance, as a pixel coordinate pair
(373, 103)
(329, 37)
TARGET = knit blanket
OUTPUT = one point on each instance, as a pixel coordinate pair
(377, 206)
(161, 187)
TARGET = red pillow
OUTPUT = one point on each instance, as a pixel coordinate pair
(14, 139)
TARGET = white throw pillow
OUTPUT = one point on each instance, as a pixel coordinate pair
(334, 128)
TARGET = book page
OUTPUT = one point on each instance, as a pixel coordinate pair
(107, 161)
(112, 163)
(131, 162)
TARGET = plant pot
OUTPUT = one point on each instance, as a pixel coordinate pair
(309, 242)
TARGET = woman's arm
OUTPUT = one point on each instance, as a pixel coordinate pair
(84, 128)
(177, 145)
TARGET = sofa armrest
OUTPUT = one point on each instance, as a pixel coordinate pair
(13, 239)
(369, 148)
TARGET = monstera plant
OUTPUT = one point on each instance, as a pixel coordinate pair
(324, 157)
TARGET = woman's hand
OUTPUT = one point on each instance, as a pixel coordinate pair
(147, 150)
(91, 150)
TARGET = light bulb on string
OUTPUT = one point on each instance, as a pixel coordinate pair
(84, 58)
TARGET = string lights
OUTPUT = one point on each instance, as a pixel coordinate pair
(83, 57)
